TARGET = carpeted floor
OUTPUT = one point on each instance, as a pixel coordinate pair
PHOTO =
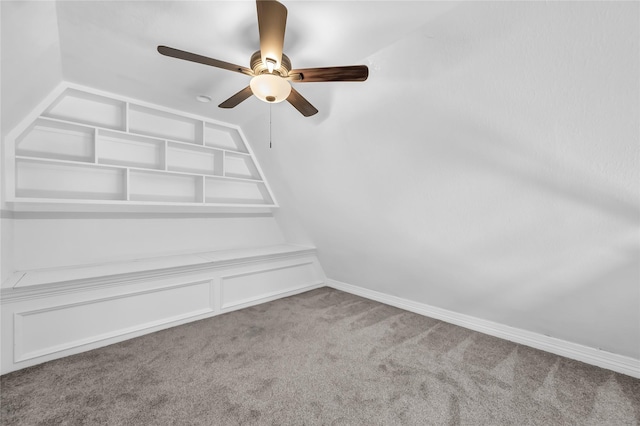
(322, 357)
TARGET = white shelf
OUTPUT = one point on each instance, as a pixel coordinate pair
(194, 159)
(37, 178)
(156, 186)
(86, 205)
(229, 191)
(88, 108)
(121, 149)
(240, 166)
(90, 148)
(222, 137)
(147, 121)
(52, 139)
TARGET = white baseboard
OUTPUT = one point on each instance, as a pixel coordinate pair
(593, 356)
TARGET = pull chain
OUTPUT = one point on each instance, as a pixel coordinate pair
(269, 126)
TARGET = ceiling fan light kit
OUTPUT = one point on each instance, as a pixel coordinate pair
(271, 69)
(270, 88)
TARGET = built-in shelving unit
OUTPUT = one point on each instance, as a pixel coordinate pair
(95, 148)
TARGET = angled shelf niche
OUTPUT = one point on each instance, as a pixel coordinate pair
(52, 139)
(240, 166)
(88, 108)
(226, 191)
(217, 136)
(93, 148)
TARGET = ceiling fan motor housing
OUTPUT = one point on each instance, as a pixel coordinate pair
(259, 67)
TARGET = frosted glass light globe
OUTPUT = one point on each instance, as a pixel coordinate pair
(270, 88)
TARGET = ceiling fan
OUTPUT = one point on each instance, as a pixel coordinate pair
(271, 69)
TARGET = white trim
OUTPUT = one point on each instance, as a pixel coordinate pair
(619, 363)
(268, 297)
(122, 206)
(48, 286)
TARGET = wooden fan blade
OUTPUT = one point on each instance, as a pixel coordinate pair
(301, 104)
(272, 22)
(348, 73)
(188, 56)
(237, 98)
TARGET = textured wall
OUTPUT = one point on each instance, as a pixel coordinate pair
(31, 62)
(49, 239)
(30, 68)
(488, 166)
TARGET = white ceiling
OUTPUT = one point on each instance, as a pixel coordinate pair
(111, 45)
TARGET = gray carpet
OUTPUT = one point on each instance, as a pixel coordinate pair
(322, 357)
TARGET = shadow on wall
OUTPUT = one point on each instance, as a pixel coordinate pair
(544, 170)
(614, 285)
(530, 229)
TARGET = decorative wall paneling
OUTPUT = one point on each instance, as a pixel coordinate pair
(52, 313)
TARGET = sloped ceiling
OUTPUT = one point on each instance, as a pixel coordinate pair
(490, 164)
(31, 64)
(111, 45)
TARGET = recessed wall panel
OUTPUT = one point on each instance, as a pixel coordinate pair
(46, 331)
(248, 287)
